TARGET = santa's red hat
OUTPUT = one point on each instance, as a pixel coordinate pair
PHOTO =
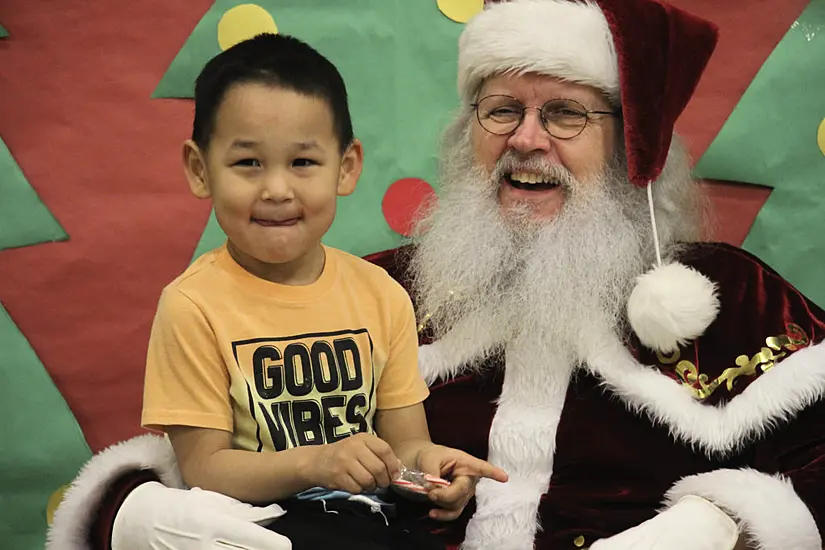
(647, 57)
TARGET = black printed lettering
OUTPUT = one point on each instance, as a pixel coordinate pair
(321, 354)
(269, 381)
(307, 420)
(297, 353)
(332, 420)
(276, 428)
(351, 376)
(310, 387)
(284, 408)
(355, 413)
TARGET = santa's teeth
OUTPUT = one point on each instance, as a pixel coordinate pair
(527, 177)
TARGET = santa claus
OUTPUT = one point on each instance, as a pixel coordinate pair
(642, 388)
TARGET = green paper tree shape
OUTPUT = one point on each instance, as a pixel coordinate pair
(24, 219)
(399, 63)
(42, 446)
(3, 32)
(771, 139)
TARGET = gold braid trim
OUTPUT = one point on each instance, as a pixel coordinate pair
(776, 347)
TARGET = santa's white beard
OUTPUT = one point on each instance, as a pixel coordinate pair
(546, 292)
(505, 276)
(543, 291)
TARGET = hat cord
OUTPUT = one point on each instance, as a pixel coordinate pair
(653, 224)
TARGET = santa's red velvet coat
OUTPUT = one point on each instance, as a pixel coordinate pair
(737, 417)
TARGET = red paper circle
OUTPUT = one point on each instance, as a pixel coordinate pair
(402, 202)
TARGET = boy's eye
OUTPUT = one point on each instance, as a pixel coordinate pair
(254, 163)
(303, 163)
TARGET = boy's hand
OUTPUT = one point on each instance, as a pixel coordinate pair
(356, 464)
(465, 470)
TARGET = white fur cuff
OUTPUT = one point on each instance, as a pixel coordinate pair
(73, 518)
(768, 509)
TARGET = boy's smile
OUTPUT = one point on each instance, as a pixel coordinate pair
(276, 219)
(274, 170)
(276, 223)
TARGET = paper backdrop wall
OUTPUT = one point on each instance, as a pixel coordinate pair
(95, 217)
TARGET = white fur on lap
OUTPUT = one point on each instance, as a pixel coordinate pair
(670, 305)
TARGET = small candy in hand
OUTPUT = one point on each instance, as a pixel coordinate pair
(418, 482)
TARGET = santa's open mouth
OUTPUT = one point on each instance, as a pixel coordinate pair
(529, 181)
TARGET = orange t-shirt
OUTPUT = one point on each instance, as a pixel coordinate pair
(281, 366)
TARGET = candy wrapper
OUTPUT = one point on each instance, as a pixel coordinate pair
(418, 482)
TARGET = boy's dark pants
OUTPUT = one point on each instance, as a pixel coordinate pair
(345, 525)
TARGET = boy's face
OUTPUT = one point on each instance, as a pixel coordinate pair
(273, 169)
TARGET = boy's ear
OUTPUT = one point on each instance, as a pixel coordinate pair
(352, 162)
(194, 167)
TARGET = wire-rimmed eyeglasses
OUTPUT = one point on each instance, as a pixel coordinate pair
(561, 118)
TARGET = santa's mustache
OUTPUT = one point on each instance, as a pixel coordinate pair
(537, 164)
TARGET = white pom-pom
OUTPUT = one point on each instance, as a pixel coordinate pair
(670, 305)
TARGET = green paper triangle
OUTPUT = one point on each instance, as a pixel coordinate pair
(42, 446)
(771, 139)
(3, 32)
(212, 237)
(24, 219)
(399, 62)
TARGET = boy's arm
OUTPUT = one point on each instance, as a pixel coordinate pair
(405, 430)
(404, 426)
(207, 460)
(186, 394)
(400, 419)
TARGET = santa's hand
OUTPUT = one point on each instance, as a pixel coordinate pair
(693, 523)
(465, 469)
(156, 516)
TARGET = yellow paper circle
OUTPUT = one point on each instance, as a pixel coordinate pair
(53, 502)
(243, 22)
(460, 10)
(820, 136)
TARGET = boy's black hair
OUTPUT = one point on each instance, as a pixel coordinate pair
(277, 60)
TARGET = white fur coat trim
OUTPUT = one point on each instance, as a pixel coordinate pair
(77, 511)
(523, 443)
(569, 40)
(775, 397)
(767, 508)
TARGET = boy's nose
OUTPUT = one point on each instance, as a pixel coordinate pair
(276, 188)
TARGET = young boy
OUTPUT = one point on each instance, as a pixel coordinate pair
(281, 369)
